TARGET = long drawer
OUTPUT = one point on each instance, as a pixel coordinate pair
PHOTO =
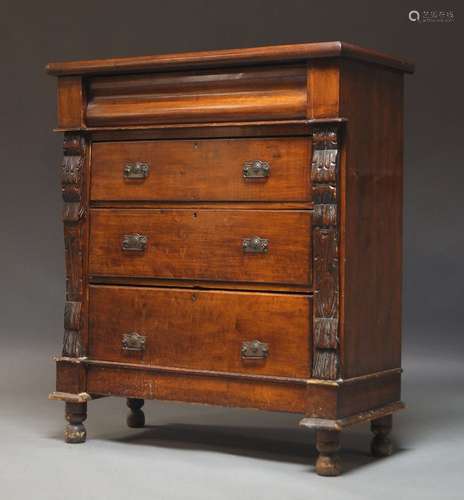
(212, 95)
(258, 246)
(203, 170)
(239, 332)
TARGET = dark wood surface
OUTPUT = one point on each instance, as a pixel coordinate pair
(202, 170)
(203, 244)
(257, 55)
(372, 165)
(202, 329)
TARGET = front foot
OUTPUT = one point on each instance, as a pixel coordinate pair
(75, 414)
(136, 417)
(328, 461)
(381, 445)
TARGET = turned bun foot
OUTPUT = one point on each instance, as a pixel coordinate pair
(328, 461)
(75, 414)
(135, 417)
(381, 445)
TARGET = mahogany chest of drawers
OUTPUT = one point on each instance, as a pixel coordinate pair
(232, 227)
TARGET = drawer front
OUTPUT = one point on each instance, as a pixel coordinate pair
(203, 170)
(205, 330)
(216, 245)
(234, 94)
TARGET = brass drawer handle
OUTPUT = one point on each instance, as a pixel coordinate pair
(134, 242)
(133, 342)
(136, 170)
(254, 349)
(255, 244)
(256, 169)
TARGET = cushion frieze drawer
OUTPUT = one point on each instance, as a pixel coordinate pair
(203, 170)
(238, 332)
(245, 93)
(261, 246)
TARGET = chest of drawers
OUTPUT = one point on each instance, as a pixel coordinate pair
(232, 226)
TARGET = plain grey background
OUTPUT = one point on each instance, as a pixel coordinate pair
(195, 451)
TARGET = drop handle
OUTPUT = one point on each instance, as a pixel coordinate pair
(255, 244)
(134, 242)
(254, 349)
(256, 169)
(136, 170)
(133, 342)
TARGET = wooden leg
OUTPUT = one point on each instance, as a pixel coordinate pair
(136, 417)
(328, 444)
(381, 445)
(75, 414)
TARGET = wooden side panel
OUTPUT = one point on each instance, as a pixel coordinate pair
(70, 102)
(372, 164)
(196, 389)
(202, 170)
(206, 95)
(203, 244)
(202, 329)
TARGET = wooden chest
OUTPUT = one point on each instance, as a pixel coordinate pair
(232, 225)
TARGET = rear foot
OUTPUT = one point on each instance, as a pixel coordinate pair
(381, 445)
(136, 417)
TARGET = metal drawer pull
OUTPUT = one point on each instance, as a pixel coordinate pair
(256, 169)
(134, 242)
(254, 349)
(133, 342)
(255, 244)
(136, 170)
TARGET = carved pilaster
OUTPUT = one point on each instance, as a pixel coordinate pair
(74, 198)
(324, 178)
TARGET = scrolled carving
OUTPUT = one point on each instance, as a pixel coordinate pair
(72, 174)
(72, 323)
(324, 178)
(74, 197)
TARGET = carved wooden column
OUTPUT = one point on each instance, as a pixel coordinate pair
(74, 197)
(324, 178)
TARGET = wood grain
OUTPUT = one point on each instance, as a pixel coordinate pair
(202, 170)
(197, 389)
(70, 102)
(203, 244)
(372, 218)
(210, 95)
(202, 329)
